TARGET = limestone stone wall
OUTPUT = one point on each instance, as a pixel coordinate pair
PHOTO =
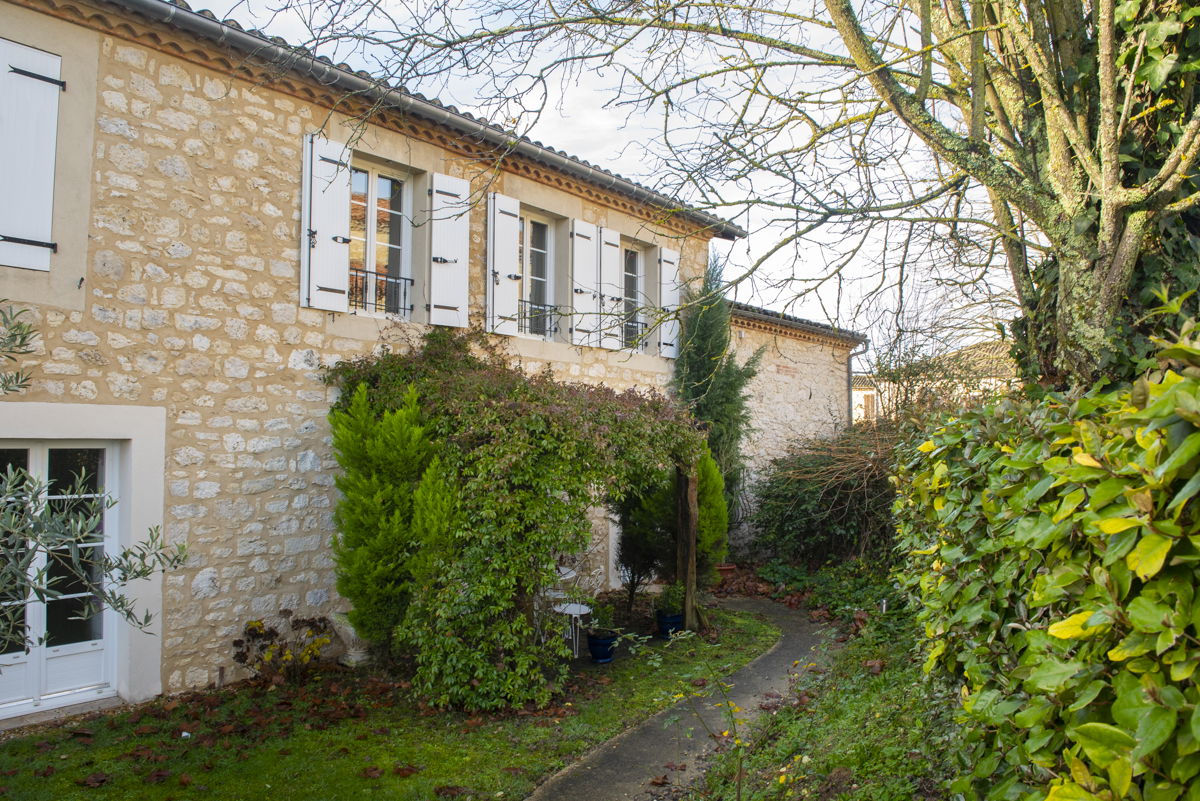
(188, 300)
(800, 392)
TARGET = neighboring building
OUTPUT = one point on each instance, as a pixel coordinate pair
(865, 395)
(195, 242)
(964, 376)
(801, 389)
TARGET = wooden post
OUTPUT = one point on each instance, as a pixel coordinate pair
(687, 508)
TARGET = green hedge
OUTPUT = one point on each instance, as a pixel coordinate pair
(1054, 547)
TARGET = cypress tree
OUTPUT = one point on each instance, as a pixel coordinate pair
(712, 383)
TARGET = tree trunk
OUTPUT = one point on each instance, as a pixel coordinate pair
(1082, 320)
(687, 508)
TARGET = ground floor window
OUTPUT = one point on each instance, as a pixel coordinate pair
(72, 657)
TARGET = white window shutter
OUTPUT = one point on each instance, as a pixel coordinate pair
(585, 289)
(325, 225)
(668, 299)
(612, 289)
(503, 264)
(449, 237)
(29, 90)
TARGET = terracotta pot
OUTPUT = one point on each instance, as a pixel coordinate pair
(726, 570)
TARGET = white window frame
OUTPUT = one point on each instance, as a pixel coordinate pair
(140, 436)
(525, 262)
(37, 659)
(408, 281)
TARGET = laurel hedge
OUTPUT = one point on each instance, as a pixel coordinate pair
(1053, 547)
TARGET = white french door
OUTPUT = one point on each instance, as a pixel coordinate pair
(73, 656)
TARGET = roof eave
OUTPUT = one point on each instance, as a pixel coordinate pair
(762, 315)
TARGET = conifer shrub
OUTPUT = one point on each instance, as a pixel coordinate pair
(649, 524)
(1053, 548)
(381, 529)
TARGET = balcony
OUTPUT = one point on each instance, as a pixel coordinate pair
(537, 319)
(380, 293)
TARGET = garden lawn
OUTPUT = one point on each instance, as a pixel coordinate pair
(348, 735)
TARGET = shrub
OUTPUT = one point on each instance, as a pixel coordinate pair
(384, 460)
(1052, 547)
(649, 524)
(829, 499)
(521, 460)
(282, 657)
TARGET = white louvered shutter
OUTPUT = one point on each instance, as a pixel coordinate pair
(612, 289)
(585, 291)
(668, 298)
(325, 217)
(29, 90)
(449, 238)
(503, 262)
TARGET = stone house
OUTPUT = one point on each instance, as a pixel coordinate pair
(198, 221)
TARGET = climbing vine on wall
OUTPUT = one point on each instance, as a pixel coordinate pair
(527, 456)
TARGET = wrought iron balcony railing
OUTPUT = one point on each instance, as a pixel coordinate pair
(378, 292)
(633, 334)
(537, 319)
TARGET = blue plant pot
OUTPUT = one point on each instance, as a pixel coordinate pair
(602, 645)
(669, 624)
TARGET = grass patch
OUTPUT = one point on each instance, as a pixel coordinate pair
(869, 726)
(349, 735)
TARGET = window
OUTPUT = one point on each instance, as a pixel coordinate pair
(633, 328)
(360, 250)
(380, 280)
(536, 312)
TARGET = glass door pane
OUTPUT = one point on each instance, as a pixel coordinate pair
(76, 485)
(13, 590)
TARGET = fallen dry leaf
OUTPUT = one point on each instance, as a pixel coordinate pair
(97, 779)
(157, 776)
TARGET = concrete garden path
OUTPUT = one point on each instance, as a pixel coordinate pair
(622, 768)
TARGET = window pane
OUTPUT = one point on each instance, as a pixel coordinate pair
(358, 252)
(537, 272)
(12, 629)
(538, 236)
(68, 465)
(360, 180)
(389, 226)
(391, 194)
(387, 260)
(74, 578)
(631, 274)
(62, 629)
(521, 242)
(16, 458)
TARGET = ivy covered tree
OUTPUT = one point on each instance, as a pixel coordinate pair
(712, 383)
